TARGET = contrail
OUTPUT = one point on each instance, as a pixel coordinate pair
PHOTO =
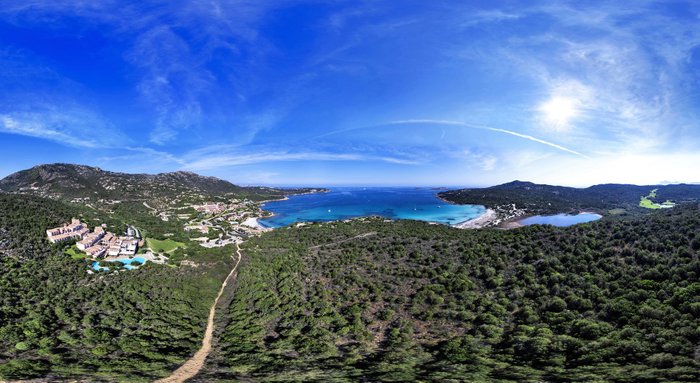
(484, 127)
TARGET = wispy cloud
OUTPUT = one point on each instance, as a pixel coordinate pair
(233, 159)
(189, 60)
(37, 101)
(628, 65)
(140, 155)
(225, 84)
(477, 126)
(65, 125)
(33, 127)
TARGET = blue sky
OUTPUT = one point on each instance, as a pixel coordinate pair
(355, 92)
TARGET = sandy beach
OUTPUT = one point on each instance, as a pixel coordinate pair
(253, 222)
(480, 221)
(513, 224)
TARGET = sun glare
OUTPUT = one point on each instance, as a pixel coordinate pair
(558, 111)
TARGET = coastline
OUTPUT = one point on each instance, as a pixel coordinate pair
(268, 214)
(503, 217)
(516, 222)
(485, 219)
(286, 197)
(488, 218)
(498, 217)
(253, 222)
(437, 195)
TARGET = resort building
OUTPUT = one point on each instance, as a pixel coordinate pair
(96, 251)
(73, 230)
(98, 243)
(91, 239)
(123, 246)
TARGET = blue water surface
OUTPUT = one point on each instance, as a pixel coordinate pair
(127, 263)
(560, 219)
(343, 203)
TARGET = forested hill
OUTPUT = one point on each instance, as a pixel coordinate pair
(61, 324)
(610, 301)
(70, 182)
(544, 199)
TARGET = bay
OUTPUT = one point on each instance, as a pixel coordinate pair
(351, 202)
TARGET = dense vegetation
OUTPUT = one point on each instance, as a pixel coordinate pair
(615, 300)
(547, 199)
(56, 320)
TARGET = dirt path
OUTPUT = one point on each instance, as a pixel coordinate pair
(344, 240)
(190, 368)
(146, 205)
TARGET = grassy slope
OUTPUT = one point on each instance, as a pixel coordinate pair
(164, 245)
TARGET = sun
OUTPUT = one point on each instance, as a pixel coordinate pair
(559, 111)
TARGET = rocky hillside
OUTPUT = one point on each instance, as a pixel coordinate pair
(79, 183)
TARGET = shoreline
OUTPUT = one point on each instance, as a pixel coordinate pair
(488, 218)
(270, 214)
(253, 223)
(483, 220)
(516, 222)
(286, 197)
(501, 217)
(437, 195)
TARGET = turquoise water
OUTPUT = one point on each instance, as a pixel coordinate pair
(127, 263)
(343, 203)
(560, 219)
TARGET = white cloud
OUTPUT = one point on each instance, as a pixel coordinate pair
(483, 127)
(628, 69)
(33, 127)
(232, 159)
(69, 126)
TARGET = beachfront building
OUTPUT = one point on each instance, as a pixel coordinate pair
(74, 230)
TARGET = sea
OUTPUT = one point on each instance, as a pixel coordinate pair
(350, 202)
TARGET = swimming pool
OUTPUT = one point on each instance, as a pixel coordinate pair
(126, 261)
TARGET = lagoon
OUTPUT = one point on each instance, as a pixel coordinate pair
(351, 202)
(560, 220)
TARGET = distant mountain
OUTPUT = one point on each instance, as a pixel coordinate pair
(538, 198)
(70, 182)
